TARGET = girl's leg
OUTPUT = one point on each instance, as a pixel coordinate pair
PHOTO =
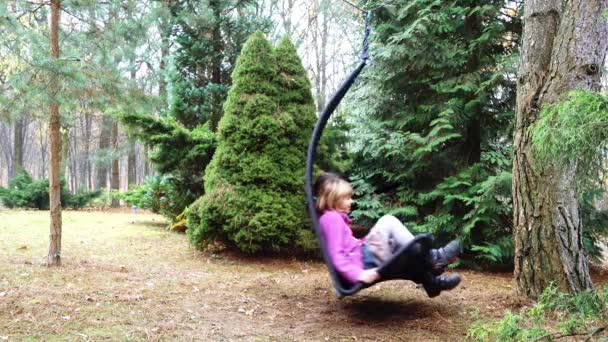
(387, 235)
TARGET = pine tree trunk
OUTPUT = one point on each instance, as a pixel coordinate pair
(472, 143)
(563, 48)
(86, 169)
(65, 144)
(146, 162)
(115, 180)
(165, 36)
(216, 72)
(43, 150)
(18, 142)
(132, 164)
(54, 256)
(105, 137)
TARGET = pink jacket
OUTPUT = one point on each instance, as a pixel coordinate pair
(344, 249)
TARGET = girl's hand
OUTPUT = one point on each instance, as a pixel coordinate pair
(369, 276)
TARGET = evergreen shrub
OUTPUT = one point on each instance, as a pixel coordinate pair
(254, 196)
(25, 192)
(146, 196)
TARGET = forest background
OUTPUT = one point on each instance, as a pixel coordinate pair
(426, 134)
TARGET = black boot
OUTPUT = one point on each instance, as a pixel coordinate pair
(442, 257)
(436, 284)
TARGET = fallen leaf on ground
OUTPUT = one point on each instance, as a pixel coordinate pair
(24, 247)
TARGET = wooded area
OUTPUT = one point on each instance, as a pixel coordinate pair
(483, 121)
(479, 120)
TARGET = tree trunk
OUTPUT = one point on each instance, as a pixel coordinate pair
(18, 142)
(216, 69)
(54, 256)
(104, 146)
(563, 48)
(65, 144)
(86, 181)
(165, 36)
(132, 164)
(115, 180)
(42, 136)
(472, 143)
(146, 172)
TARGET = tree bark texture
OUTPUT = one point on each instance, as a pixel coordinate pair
(132, 164)
(115, 180)
(563, 48)
(54, 256)
(105, 136)
(18, 143)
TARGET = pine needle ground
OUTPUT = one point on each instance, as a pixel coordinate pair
(124, 277)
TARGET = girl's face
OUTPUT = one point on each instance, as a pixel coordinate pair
(344, 204)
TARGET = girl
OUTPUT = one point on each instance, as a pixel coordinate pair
(357, 260)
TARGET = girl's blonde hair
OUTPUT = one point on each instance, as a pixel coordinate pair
(330, 188)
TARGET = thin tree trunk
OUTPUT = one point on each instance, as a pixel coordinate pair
(146, 163)
(43, 150)
(132, 164)
(216, 71)
(18, 142)
(115, 180)
(563, 48)
(86, 181)
(165, 35)
(472, 143)
(322, 72)
(131, 158)
(65, 147)
(54, 256)
(105, 137)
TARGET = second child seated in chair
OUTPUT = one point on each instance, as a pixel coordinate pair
(357, 260)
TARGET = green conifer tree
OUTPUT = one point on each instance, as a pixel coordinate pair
(433, 121)
(208, 36)
(254, 196)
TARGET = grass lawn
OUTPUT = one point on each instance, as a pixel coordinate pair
(125, 278)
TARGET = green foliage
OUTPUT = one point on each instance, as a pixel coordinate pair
(180, 155)
(149, 195)
(432, 137)
(210, 35)
(555, 315)
(253, 197)
(575, 132)
(25, 192)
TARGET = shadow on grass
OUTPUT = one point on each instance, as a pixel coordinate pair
(150, 224)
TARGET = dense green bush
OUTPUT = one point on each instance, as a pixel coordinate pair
(146, 196)
(25, 192)
(253, 185)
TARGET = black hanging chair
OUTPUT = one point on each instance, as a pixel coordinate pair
(408, 262)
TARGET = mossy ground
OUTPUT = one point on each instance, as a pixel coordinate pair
(125, 278)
